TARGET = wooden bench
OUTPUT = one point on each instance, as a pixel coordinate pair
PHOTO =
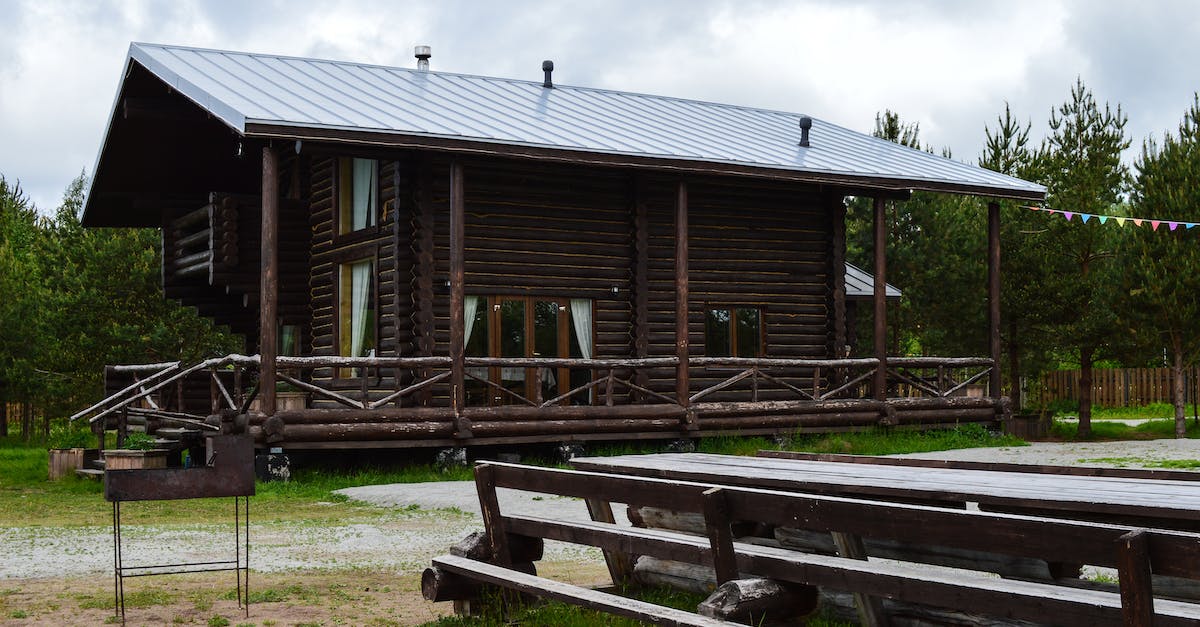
(1136, 553)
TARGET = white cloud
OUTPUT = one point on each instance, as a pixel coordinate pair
(949, 66)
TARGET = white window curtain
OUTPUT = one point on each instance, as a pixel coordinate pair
(365, 175)
(470, 308)
(581, 318)
(360, 294)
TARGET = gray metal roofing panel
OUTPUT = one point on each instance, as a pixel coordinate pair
(242, 88)
(861, 284)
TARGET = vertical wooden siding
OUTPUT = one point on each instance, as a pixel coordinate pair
(1118, 387)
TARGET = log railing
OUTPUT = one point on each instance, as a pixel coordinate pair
(937, 377)
(232, 380)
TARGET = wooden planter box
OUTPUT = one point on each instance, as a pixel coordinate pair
(284, 401)
(125, 459)
(1029, 426)
(65, 461)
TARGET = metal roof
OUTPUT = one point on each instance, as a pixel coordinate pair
(860, 284)
(253, 92)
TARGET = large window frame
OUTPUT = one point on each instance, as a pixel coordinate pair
(343, 302)
(731, 341)
(354, 176)
(487, 339)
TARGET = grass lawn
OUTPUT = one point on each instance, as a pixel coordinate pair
(1102, 430)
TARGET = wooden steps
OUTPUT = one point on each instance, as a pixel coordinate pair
(89, 473)
(575, 595)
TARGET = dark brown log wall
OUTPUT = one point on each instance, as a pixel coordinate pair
(569, 232)
(750, 246)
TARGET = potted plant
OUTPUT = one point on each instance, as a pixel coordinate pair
(139, 451)
(69, 451)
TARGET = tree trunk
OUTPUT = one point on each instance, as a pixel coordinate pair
(1177, 387)
(1014, 366)
(3, 419)
(1085, 392)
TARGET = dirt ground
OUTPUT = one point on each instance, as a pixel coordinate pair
(341, 597)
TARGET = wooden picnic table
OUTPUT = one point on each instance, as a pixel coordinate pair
(1161, 503)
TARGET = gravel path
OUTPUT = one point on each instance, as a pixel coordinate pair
(424, 520)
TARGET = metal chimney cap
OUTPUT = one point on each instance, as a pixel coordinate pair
(547, 66)
(422, 52)
(805, 124)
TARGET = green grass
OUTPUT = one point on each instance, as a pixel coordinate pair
(27, 498)
(1103, 431)
(1141, 412)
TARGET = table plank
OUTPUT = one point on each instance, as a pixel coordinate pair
(1167, 500)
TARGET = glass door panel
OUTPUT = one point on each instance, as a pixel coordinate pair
(545, 344)
(512, 343)
(477, 345)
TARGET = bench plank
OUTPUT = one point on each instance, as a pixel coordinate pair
(576, 595)
(894, 580)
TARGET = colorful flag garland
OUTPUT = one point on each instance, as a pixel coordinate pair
(1171, 225)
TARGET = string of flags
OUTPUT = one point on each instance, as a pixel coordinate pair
(1120, 221)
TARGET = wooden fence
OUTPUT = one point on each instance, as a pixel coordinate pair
(1119, 387)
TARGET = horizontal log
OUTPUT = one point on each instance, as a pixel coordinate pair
(201, 236)
(958, 413)
(555, 427)
(368, 431)
(790, 421)
(196, 216)
(202, 268)
(735, 408)
(934, 362)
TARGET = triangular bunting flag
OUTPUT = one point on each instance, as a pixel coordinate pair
(1120, 221)
(1137, 221)
(1173, 225)
(1068, 214)
(1154, 225)
(1103, 219)
(1085, 217)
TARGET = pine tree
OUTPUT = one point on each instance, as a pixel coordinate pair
(1081, 161)
(1162, 276)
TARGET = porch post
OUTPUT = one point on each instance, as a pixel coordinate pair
(457, 320)
(269, 294)
(880, 383)
(681, 299)
(994, 297)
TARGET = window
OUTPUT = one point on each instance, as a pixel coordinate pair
(358, 194)
(289, 340)
(733, 332)
(356, 311)
(527, 326)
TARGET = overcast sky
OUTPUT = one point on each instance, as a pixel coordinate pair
(949, 65)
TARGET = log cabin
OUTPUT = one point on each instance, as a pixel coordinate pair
(426, 259)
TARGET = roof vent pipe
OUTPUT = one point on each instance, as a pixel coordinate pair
(805, 124)
(422, 53)
(548, 68)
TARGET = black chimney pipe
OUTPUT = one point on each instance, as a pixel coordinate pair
(805, 124)
(548, 68)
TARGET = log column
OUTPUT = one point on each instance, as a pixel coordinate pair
(269, 289)
(681, 301)
(994, 296)
(462, 426)
(880, 383)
